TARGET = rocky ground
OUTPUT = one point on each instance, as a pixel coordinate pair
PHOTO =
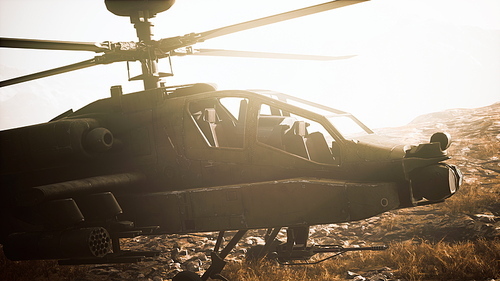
(476, 134)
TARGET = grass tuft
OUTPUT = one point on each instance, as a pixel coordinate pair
(472, 198)
(43, 270)
(412, 261)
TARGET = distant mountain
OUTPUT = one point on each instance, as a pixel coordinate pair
(467, 123)
(471, 129)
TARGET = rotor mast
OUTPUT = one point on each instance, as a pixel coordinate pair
(140, 11)
(149, 64)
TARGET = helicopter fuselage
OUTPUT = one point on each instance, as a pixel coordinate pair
(191, 160)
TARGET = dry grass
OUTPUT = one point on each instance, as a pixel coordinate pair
(459, 261)
(481, 188)
(477, 260)
(44, 270)
(471, 199)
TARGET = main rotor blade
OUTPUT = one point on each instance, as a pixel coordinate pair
(49, 72)
(52, 45)
(277, 18)
(247, 54)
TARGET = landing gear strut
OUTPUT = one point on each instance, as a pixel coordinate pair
(295, 250)
(287, 253)
(218, 262)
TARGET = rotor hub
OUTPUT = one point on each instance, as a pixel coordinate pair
(129, 8)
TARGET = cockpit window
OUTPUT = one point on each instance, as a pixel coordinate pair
(221, 120)
(297, 135)
(347, 126)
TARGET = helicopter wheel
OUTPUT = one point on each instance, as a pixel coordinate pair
(186, 276)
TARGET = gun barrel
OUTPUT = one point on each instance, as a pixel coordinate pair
(340, 249)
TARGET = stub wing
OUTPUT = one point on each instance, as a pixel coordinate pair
(300, 201)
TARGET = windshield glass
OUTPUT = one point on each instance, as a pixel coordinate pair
(347, 126)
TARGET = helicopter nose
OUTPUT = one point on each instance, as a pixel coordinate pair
(435, 182)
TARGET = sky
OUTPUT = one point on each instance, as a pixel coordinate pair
(411, 56)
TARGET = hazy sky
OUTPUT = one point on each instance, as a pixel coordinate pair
(412, 56)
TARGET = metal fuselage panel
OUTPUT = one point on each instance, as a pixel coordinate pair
(293, 202)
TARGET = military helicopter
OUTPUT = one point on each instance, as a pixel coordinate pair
(189, 158)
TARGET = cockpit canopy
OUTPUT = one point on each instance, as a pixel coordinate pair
(298, 127)
(345, 123)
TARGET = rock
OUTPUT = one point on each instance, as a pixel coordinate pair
(377, 277)
(202, 257)
(252, 241)
(320, 233)
(487, 218)
(193, 265)
(351, 275)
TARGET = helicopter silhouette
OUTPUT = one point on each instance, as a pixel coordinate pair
(189, 158)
